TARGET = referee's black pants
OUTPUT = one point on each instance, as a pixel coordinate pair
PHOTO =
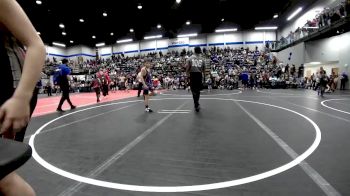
(196, 86)
(65, 96)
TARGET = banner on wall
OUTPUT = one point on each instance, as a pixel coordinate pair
(179, 42)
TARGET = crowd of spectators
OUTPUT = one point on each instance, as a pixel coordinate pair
(322, 20)
(226, 68)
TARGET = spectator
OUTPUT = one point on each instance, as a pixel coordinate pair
(49, 89)
(343, 80)
(292, 70)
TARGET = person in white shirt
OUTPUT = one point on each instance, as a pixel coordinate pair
(166, 82)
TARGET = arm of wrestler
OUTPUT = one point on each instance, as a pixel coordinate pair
(15, 112)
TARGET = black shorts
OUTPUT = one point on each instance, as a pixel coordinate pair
(146, 91)
(196, 81)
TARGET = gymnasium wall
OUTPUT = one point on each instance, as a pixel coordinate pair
(71, 53)
(293, 55)
(249, 39)
(332, 52)
(333, 49)
(58, 53)
(88, 53)
(239, 39)
(105, 52)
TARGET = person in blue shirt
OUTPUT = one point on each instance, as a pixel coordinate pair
(64, 85)
(343, 79)
(245, 78)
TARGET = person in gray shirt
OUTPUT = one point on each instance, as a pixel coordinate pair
(195, 68)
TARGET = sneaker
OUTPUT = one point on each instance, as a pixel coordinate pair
(148, 110)
(73, 107)
(198, 108)
(59, 110)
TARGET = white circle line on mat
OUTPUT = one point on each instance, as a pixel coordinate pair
(323, 103)
(175, 95)
(189, 188)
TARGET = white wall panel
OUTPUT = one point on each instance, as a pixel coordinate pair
(148, 44)
(56, 50)
(161, 44)
(74, 50)
(58, 53)
(270, 36)
(233, 37)
(200, 40)
(87, 50)
(297, 58)
(214, 39)
(253, 36)
(130, 47)
(105, 50)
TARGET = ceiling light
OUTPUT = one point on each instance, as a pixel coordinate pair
(104, 14)
(159, 26)
(294, 14)
(124, 41)
(266, 28)
(93, 37)
(139, 6)
(222, 20)
(71, 41)
(188, 35)
(81, 20)
(39, 2)
(61, 26)
(188, 22)
(178, 1)
(275, 16)
(38, 33)
(225, 30)
(100, 44)
(112, 34)
(58, 44)
(131, 30)
(64, 33)
(153, 37)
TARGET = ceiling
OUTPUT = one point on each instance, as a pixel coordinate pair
(205, 17)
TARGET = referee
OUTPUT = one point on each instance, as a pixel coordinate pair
(195, 68)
